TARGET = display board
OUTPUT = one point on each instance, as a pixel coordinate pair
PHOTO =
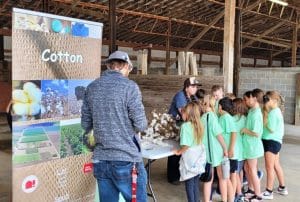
(54, 59)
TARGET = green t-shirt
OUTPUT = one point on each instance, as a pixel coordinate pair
(227, 124)
(240, 123)
(276, 124)
(215, 157)
(253, 147)
(187, 137)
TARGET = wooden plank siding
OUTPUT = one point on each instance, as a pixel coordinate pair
(158, 90)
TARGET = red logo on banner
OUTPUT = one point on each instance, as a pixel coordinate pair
(29, 184)
(88, 167)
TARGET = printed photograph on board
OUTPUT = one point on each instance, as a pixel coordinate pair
(31, 22)
(75, 96)
(35, 143)
(26, 100)
(54, 101)
(60, 26)
(71, 141)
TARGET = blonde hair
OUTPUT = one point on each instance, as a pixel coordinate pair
(192, 113)
(209, 101)
(273, 95)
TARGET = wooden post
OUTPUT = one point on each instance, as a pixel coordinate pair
(177, 55)
(112, 26)
(270, 61)
(228, 45)
(237, 51)
(149, 57)
(255, 62)
(144, 62)
(200, 60)
(1, 48)
(168, 49)
(221, 62)
(181, 63)
(294, 46)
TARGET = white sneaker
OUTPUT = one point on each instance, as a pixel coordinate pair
(267, 195)
(282, 191)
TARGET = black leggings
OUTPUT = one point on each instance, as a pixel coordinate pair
(173, 168)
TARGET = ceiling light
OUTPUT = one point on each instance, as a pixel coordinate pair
(283, 3)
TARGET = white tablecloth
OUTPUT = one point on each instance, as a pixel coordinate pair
(154, 151)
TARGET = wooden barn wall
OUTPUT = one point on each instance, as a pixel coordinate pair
(158, 90)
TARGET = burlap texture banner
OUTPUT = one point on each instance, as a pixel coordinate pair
(66, 179)
(29, 46)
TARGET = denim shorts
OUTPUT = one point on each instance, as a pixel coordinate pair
(114, 177)
(240, 166)
(271, 146)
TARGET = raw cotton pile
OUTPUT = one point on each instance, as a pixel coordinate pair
(162, 127)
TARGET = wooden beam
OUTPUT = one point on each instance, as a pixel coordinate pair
(201, 34)
(62, 4)
(279, 52)
(252, 6)
(74, 4)
(228, 49)
(78, 9)
(294, 46)
(112, 26)
(256, 13)
(5, 32)
(263, 34)
(4, 4)
(281, 44)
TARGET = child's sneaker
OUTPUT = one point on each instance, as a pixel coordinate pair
(254, 198)
(282, 191)
(249, 193)
(239, 198)
(267, 195)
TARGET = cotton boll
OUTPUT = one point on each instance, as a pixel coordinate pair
(34, 109)
(21, 108)
(153, 122)
(19, 96)
(155, 115)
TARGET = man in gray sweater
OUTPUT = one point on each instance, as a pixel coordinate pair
(113, 109)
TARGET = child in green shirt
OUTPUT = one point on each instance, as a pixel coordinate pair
(240, 111)
(227, 123)
(272, 139)
(193, 159)
(216, 150)
(252, 144)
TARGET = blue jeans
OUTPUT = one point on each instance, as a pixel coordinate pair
(114, 177)
(192, 189)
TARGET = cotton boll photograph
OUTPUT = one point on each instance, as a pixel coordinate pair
(54, 98)
(75, 96)
(26, 100)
